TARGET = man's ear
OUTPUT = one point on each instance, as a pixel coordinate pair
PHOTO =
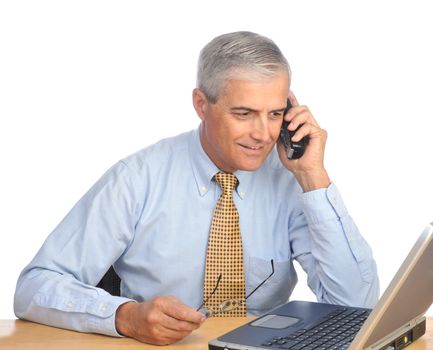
(200, 102)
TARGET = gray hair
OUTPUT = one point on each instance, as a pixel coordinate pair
(231, 55)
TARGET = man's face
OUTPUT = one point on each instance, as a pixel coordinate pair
(241, 128)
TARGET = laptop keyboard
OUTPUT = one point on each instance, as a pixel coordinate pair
(336, 332)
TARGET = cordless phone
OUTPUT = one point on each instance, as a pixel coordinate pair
(294, 150)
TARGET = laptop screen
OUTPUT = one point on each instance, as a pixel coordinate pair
(408, 296)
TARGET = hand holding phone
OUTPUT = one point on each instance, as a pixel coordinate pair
(309, 171)
(294, 150)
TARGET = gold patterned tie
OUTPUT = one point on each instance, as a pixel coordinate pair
(224, 252)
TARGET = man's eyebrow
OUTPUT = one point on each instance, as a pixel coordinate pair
(241, 108)
(279, 110)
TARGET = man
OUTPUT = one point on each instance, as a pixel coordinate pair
(150, 215)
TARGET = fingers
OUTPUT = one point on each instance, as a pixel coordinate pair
(178, 316)
(159, 335)
(299, 115)
(175, 308)
(309, 130)
(160, 321)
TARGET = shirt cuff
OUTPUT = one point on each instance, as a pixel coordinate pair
(103, 315)
(323, 204)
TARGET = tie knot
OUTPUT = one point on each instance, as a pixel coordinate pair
(227, 182)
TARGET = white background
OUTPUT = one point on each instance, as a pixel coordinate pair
(85, 83)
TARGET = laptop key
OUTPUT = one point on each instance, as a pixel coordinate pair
(289, 344)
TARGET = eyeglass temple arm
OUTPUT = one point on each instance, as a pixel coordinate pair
(251, 293)
(213, 292)
(261, 284)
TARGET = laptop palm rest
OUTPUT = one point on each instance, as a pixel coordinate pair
(275, 321)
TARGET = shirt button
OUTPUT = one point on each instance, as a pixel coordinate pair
(69, 304)
(103, 307)
(202, 189)
(242, 194)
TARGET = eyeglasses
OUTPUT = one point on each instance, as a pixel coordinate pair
(229, 304)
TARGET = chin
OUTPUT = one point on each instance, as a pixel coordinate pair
(250, 166)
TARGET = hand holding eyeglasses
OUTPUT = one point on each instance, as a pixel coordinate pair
(165, 320)
(160, 321)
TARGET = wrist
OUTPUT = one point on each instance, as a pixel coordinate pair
(123, 316)
(313, 180)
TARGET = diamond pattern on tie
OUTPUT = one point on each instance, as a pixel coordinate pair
(224, 252)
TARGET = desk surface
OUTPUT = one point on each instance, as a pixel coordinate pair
(17, 334)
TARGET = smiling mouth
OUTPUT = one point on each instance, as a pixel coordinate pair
(252, 148)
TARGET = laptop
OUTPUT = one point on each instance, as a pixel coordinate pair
(396, 321)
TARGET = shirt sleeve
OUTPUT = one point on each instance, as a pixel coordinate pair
(58, 288)
(329, 247)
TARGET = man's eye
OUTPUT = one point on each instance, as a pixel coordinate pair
(276, 115)
(242, 114)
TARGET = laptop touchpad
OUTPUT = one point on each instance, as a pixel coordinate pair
(275, 321)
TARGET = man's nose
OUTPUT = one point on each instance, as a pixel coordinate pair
(260, 130)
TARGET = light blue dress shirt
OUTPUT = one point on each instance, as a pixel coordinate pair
(149, 216)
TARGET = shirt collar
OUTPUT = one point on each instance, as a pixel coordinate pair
(244, 178)
(204, 169)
